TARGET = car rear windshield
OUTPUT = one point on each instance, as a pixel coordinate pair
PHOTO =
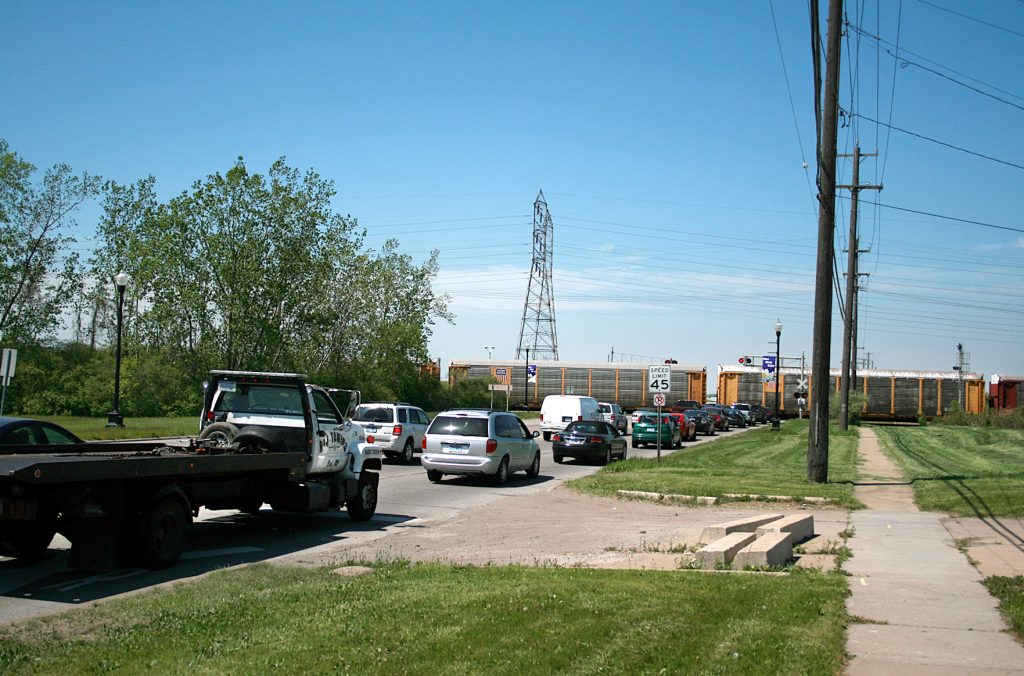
(651, 419)
(459, 426)
(244, 398)
(604, 408)
(584, 428)
(377, 414)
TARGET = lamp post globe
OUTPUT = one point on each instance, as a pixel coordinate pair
(115, 418)
(776, 423)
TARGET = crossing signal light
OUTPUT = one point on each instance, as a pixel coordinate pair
(746, 361)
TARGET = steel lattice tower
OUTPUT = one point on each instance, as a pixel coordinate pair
(537, 335)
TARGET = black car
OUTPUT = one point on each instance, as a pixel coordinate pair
(588, 439)
(705, 423)
(28, 432)
(760, 413)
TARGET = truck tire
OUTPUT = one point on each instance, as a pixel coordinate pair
(220, 434)
(363, 505)
(28, 541)
(162, 534)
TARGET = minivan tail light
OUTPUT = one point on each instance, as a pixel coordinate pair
(492, 445)
(397, 431)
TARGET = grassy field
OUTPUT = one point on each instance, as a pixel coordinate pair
(134, 428)
(759, 462)
(964, 471)
(433, 619)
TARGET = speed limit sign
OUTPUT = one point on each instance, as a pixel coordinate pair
(659, 400)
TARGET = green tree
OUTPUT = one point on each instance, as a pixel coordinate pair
(39, 275)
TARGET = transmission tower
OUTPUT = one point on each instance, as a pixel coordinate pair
(537, 335)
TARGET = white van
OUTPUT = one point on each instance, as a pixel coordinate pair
(558, 410)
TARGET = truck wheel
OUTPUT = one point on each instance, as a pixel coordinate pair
(434, 475)
(533, 471)
(501, 476)
(260, 440)
(163, 533)
(408, 454)
(220, 434)
(363, 505)
(26, 542)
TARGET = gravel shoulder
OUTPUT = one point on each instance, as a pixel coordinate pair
(559, 527)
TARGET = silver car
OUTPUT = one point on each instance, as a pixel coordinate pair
(479, 442)
(613, 415)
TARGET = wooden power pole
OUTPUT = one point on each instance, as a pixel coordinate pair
(817, 441)
(848, 377)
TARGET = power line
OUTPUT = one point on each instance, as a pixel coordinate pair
(951, 218)
(936, 141)
(971, 18)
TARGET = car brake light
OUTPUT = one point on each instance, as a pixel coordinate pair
(209, 415)
(492, 445)
(595, 440)
(580, 418)
(424, 444)
(397, 431)
(556, 437)
(542, 417)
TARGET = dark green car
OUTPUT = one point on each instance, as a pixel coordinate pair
(645, 431)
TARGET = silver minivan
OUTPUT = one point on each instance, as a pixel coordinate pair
(479, 442)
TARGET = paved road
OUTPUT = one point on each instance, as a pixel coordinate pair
(225, 538)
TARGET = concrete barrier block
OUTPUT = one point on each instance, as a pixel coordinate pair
(771, 549)
(800, 526)
(749, 524)
(723, 550)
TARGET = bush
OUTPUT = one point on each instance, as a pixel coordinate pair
(1009, 419)
(857, 401)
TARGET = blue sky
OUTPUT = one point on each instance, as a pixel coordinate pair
(663, 135)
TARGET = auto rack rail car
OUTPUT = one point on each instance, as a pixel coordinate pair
(613, 382)
(889, 394)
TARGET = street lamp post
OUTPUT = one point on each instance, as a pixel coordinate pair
(489, 348)
(115, 418)
(776, 423)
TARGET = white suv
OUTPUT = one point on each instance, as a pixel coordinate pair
(397, 427)
(480, 442)
(613, 415)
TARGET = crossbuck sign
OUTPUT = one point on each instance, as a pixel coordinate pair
(659, 378)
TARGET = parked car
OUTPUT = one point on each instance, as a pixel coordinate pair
(613, 415)
(684, 405)
(558, 410)
(588, 439)
(760, 414)
(397, 427)
(718, 416)
(635, 416)
(745, 410)
(479, 442)
(687, 427)
(645, 431)
(29, 432)
(702, 422)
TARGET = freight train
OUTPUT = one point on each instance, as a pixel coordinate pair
(889, 394)
(897, 395)
(614, 382)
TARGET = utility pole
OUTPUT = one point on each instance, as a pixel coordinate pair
(847, 376)
(817, 441)
(960, 374)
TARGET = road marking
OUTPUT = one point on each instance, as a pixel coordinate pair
(207, 553)
(106, 577)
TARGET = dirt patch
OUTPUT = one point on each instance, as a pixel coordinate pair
(559, 527)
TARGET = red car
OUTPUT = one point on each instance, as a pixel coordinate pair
(687, 427)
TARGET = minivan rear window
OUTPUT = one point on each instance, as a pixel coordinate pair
(458, 426)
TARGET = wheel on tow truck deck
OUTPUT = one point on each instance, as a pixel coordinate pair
(363, 505)
(434, 475)
(162, 533)
(220, 433)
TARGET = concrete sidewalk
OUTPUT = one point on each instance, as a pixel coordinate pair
(919, 605)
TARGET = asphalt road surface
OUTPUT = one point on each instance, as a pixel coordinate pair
(220, 539)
